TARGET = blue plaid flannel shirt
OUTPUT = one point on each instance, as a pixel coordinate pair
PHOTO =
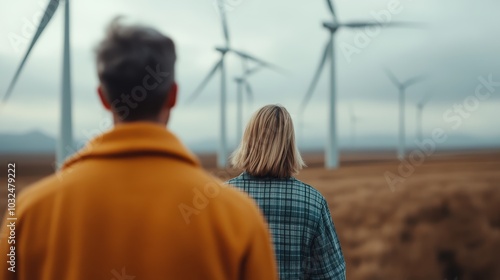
(305, 242)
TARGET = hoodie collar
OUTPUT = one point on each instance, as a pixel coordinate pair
(132, 139)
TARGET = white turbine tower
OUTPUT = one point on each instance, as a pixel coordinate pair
(65, 141)
(420, 109)
(300, 135)
(402, 87)
(331, 151)
(222, 153)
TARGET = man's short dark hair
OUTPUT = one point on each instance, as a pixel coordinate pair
(135, 65)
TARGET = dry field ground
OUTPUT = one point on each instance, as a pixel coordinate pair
(441, 222)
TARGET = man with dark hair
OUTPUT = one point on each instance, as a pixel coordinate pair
(135, 66)
(135, 203)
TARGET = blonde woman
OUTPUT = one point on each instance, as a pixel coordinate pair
(304, 237)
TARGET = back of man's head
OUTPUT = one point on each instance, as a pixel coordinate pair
(135, 65)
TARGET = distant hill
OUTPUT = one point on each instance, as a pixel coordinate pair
(40, 143)
(31, 142)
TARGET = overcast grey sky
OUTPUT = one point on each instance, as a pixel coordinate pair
(460, 44)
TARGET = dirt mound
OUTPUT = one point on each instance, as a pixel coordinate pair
(442, 223)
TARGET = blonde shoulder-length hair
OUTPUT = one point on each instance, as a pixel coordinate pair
(268, 146)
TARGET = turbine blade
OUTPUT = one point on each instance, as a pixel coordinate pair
(314, 82)
(332, 9)
(357, 24)
(198, 90)
(360, 24)
(252, 71)
(258, 60)
(415, 80)
(222, 11)
(405, 24)
(392, 77)
(49, 12)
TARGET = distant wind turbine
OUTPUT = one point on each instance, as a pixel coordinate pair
(354, 121)
(222, 154)
(65, 141)
(331, 152)
(300, 133)
(420, 109)
(243, 87)
(402, 87)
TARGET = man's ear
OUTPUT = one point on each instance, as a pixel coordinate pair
(102, 97)
(172, 96)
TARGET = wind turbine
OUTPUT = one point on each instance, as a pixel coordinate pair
(420, 109)
(222, 153)
(402, 87)
(300, 132)
(354, 121)
(243, 86)
(65, 141)
(332, 152)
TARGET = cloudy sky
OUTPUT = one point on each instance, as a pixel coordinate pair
(459, 45)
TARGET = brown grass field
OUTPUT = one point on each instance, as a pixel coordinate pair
(442, 222)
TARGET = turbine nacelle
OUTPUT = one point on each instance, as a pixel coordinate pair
(332, 26)
(222, 50)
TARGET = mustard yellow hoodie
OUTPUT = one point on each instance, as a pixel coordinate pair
(135, 204)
